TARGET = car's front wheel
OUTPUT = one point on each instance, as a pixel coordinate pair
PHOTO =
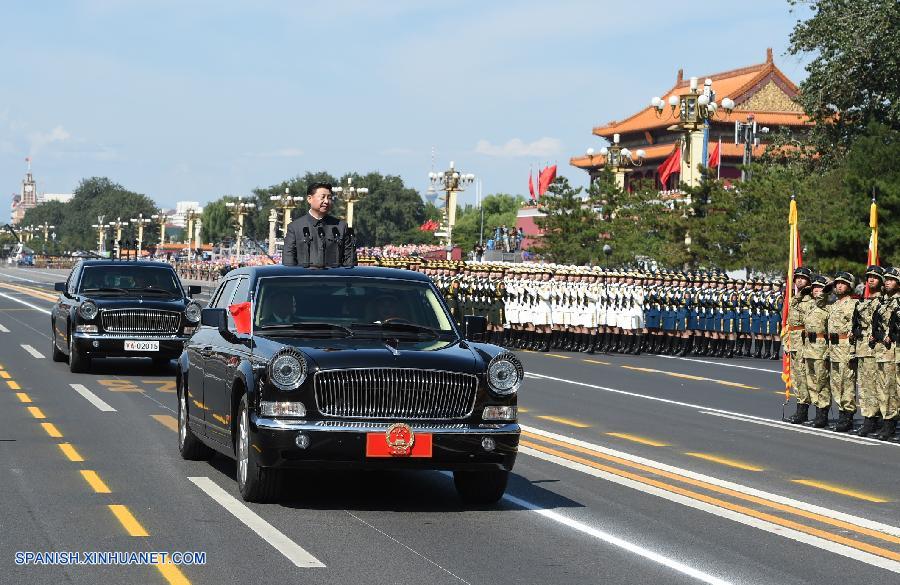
(481, 487)
(190, 447)
(256, 484)
(77, 361)
(58, 355)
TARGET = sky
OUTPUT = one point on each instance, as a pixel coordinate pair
(194, 99)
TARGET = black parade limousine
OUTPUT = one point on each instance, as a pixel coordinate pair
(345, 368)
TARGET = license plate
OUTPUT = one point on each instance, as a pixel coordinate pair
(377, 446)
(132, 345)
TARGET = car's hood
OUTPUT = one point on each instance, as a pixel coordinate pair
(344, 353)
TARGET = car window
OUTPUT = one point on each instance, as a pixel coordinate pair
(225, 299)
(242, 290)
(73, 279)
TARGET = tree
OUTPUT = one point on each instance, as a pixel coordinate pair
(98, 196)
(569, 225)
(49, 213)
(499, 210)
(217, 223)
(258, 225)
(854, 78)
(390, 214)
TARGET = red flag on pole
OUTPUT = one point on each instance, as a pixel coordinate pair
(669, 166)
(547, 176)
(531, 185)
(715, 156)
(795, 260)
(241, 314)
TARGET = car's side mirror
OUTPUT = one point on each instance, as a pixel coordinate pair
(474, 326)
(214, 318)
(59, 286)
(194, 289)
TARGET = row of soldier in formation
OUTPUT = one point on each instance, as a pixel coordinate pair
(545, 306)
(843, 349)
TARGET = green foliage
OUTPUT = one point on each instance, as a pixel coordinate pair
(570, 226)
(855, 72)
(217, 221)
(257, 223)
(390, 214)
(499, 210)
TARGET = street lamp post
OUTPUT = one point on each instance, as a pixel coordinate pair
(101, 233)
(287, 203)
(161, 218)
(273, 224)
(239, 209)
(619, 159)
(746, 133)
(140, 221)
(118, 225)
(450, 182)
(351, 195)
(693, 110)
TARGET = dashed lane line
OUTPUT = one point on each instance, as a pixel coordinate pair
(564, 421)
(36, 412)
(51, 430)
(166, 420)
(686, 359)
(590, 361)
(290, 549)
(690, 377)
(641, 440)
(92, 398)
(127, 520)
(618, 542)
(93, 480)
(23, 398)
(26, 303)
(718, 412)
(558, 356)
(13, 385)
(725, 461)
(851, 493)
(33, 352)
(70, 452)
(3, 329)
(5, 375)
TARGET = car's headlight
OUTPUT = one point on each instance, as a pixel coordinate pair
(192, 312)
(505, 374)
(88, 310)
(287, 369)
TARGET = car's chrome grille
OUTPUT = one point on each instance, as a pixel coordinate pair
(383, 426)
(140, 321)
(395, 393)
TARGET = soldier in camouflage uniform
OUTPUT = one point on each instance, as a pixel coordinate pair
(867, 366)
(800, 304)
(842, 350)
(815, 352)
(887, 367)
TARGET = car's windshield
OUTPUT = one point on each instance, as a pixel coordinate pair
(359, 304)
(129, 278)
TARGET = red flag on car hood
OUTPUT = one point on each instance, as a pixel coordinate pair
(241, 314)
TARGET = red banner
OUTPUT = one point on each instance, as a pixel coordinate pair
(241, 314)
(670, 165)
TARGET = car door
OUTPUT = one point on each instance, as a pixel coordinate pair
(62, 309)
(198, 348)
(218, 369)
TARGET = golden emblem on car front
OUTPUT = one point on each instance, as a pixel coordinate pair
(400, 439)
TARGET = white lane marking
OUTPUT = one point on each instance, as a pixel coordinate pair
(616, 541)
(251, 520)
(25, 279)
(26, 303)
(63, 272)
(674, 357)
(92, 398)
(806, 506)
(32, 351)
(778, 424)
(843, 550)
(3, 329)
(797, 428)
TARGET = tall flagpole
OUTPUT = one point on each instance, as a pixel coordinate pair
(788, 295)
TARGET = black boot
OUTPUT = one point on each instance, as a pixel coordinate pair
(758, 353)
(685, 346)
(747, 342)
(767, 349)
(867, 428)
(821, 420)
(638, 343)
(845, 421)
(592, 346)
(700, 348)
(723, 348)
(776, 350)
(887, 430)
(800, 416)
(730, 345)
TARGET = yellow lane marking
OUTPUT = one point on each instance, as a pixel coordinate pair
(841, 490)
(5, 375)
(13, 385)
(691, 377)
(23, 397)
(127, 520)
(720, 490)
(220, 418)
(686, 376)
(524, 409)
(636, 439)
(556, 355)
(120, 385)
(564, 421)
(97, 484)
(725, 461)
(166, 420)
(70, 452)
(52, 430)
(172, 574)
(30, 291)
(637, 369)
(859, 545)
(596, 362)
(735, 384)
(164, 385)
(36, 412)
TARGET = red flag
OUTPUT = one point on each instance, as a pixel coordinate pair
(531, 185)
(669, 166)
(715, 156)
(547, 176)
(241, 314)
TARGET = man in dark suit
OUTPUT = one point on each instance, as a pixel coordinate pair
(319, 239)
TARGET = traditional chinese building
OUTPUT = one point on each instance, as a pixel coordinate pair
(26, 198)
(760, 92)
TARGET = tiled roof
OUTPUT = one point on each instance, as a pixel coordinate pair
(736, 84)
(658, 152)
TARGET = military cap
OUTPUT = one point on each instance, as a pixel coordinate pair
(803, 271)
(849, 279)
(819, 280)
(892, 273)
(876, 271)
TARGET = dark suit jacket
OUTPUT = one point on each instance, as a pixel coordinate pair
(339, 250)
